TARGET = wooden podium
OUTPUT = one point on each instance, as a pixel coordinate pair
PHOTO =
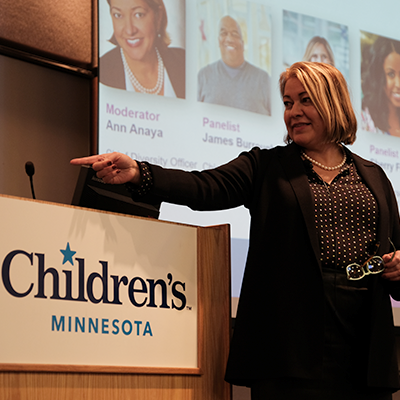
(82, 318)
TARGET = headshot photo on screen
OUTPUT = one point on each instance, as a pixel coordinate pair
(380, 84)
(306, 38)
(144, 57)
(319, 50)
(234, 55)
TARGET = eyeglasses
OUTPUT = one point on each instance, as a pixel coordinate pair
(374, 265)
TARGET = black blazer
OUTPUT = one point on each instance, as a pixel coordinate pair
(111, 68)
(279, 330)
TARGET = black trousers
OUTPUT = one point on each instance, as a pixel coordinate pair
(345, 358)
(298, 389)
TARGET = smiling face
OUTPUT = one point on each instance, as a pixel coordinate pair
(135, 27)
(391, 66)
(231, 42)
(303, 122)
(320, 54)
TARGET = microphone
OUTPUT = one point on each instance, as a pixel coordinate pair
(30, 170)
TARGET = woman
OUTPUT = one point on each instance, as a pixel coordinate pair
(319, 50)
(303, 329)
(142, 61)
(381, 88)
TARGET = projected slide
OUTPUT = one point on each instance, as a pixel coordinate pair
(191, 84)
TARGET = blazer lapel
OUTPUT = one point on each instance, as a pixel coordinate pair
(369, 172)
(297, 177)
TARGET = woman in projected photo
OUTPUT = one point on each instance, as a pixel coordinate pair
(142, 61)
(381, 88)
(314, 319)
(319, 50)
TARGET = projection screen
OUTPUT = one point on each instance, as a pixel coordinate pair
(199, 120)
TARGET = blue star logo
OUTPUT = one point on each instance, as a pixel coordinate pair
(68, 254)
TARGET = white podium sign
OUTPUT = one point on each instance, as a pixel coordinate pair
(87, 288)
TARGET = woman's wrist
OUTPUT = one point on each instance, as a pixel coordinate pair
(142, 183)
(136, 179)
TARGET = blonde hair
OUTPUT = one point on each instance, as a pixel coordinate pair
(329, 93)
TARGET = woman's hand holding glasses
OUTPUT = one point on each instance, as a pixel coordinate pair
(388, 265)
(392, 266)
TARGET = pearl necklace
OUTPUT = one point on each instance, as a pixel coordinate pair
(136, 84)
(318, 164)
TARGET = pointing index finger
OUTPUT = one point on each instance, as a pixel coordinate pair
(87, 160)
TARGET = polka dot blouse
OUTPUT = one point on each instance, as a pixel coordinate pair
(346, 216)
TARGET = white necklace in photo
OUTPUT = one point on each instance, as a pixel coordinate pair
(326, 168)
(136, 84)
